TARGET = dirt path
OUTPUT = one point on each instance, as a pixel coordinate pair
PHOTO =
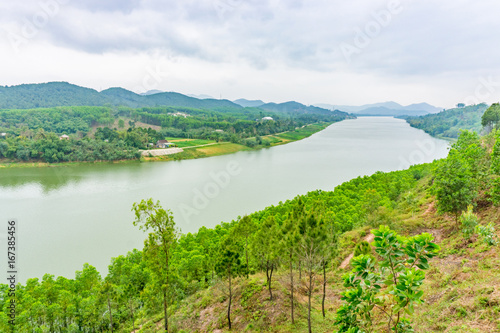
(347, 260)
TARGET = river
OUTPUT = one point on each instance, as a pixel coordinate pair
(68, 216)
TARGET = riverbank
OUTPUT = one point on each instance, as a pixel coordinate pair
(199, 151)
(224, 148)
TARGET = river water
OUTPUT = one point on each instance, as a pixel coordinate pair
(68, 216)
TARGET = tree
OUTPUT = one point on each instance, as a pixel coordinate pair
(129, 275)
(491, 117)
(329, 251)
(265, 247)
(289, 240)
(472, 151)
(386, 288)
(228, 266)
(150, 216)
(244, 229)
(454, 185)
(312, 246)
(108, 291)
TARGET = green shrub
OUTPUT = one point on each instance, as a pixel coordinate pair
(468, 222)
(487, 234)
(362, 248)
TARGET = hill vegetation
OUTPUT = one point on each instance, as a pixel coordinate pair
(53, 94)
(448, 123)
(110, 133)
(57, 94)
(280, 269)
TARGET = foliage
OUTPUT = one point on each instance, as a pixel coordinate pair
(150, 216)
(448, 123)
(491, 116)
(468, 221)
(390, 286)
(454, 184)
(92, 135)
(487, 234)
(362, 248)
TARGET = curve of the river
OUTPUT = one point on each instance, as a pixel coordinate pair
(68, 216)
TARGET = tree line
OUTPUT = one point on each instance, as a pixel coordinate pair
(109, 133)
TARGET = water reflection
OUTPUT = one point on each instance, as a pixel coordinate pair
(50, 179)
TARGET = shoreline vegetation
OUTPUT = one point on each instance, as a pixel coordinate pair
(208, 148)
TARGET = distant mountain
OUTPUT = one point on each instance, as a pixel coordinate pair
(151, 92)
(385, 109)
(120, 96)
(295, 107)
(424, 106)
(249, 103)
(202, 96)
(28, 96)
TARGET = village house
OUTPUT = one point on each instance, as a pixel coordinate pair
(163, 144)
(64, 137)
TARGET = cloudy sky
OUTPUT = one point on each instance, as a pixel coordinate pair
(314, 51)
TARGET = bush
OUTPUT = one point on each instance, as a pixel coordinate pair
(468, 222)
(392, 282)
(487, 234)
(362, 248)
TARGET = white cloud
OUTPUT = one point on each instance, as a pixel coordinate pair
(274, 50)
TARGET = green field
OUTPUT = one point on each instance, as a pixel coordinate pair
(183, 143)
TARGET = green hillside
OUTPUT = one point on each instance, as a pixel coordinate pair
(53, 94)
(448, 123)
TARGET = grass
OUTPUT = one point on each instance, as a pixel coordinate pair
(182, 143)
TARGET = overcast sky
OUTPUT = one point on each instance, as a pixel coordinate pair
(315, 51)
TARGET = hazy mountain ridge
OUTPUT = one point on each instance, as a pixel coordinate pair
(249, 103)
(385, 109)
(297, 107)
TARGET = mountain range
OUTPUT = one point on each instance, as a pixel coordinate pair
(53, 94)
(385, 109)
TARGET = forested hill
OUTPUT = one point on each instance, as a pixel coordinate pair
(448, 123)
(52, 94)
(55, 94)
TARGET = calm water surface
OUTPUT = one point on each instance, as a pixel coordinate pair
(68, 216)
